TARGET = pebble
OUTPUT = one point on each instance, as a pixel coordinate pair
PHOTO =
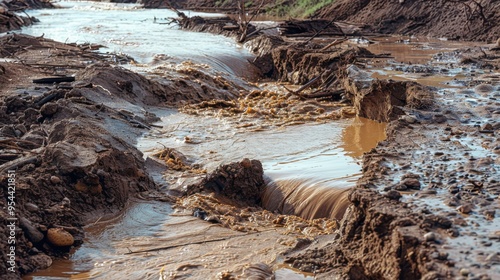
(59, 237)
(31, 232)
(412, 183)
(464, 272)
(430, 236)
(55, 180)
(49, 109)
(392, 194)
(41, 261)
(465, 208)
(31, 207)
(246, 163)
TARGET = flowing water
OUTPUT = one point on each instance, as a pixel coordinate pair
(316, 162)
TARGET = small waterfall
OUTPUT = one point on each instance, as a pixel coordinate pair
(305, 198)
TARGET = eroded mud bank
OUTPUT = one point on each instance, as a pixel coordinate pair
(453, 187)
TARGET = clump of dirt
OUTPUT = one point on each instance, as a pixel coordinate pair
(224, 25)
(231, 196)
(242, 182)
(383, 100)
(189, 83)
(463, 20)
(299, 64)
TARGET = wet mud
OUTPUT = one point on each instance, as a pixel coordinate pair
(10, 20)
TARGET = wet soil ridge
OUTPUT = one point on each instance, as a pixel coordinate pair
(66, 142)
(463, 19)
(9, 20)
(241, 181)
(427, 201)
(384, 100)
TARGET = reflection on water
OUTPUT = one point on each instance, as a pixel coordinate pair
(361, 136)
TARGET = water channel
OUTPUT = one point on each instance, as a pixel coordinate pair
(313, 156)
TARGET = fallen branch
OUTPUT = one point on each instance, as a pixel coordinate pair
(15, 164)
(297, 92)
(334, 43)
(51, 80)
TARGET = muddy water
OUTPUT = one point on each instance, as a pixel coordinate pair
(142, 34)
(320, 157)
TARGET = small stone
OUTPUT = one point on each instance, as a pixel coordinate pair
(65, 202)
(392, 194)
(246, 163)
(31, 232)
(409, 119)
(439, 118)
(490, 214)
(412, 183)
(430, 236)
(401, 187)
(464, 272)
(465, 208)
(41, 261)
(31, 207)
(59, 237)
(55, 180)
(493, 258)
(49, 109)
(453, 232)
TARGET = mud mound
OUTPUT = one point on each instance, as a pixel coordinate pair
(383, 100)
(464, 20)
(300, 64)
(241, 181)
(129, 85)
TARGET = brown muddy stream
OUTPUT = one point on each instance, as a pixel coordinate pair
(311, 165)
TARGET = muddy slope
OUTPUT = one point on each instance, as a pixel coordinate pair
(463, 20)
(427, 204)
(10, 21)
(67, 132)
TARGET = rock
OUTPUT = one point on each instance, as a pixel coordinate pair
(493, 258)
(31, 232)
(464, 272)
(246, 163)
(490, 214)
(41, 261)
(409, 119)
(412, 183)
(465, 208)
(59, 237)
(392, 194)
(49, 109)
(55, 180)
(430, 236)
(401, 187)
(31, 207)
(439, 118)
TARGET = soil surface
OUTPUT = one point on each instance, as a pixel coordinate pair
(457, 20)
